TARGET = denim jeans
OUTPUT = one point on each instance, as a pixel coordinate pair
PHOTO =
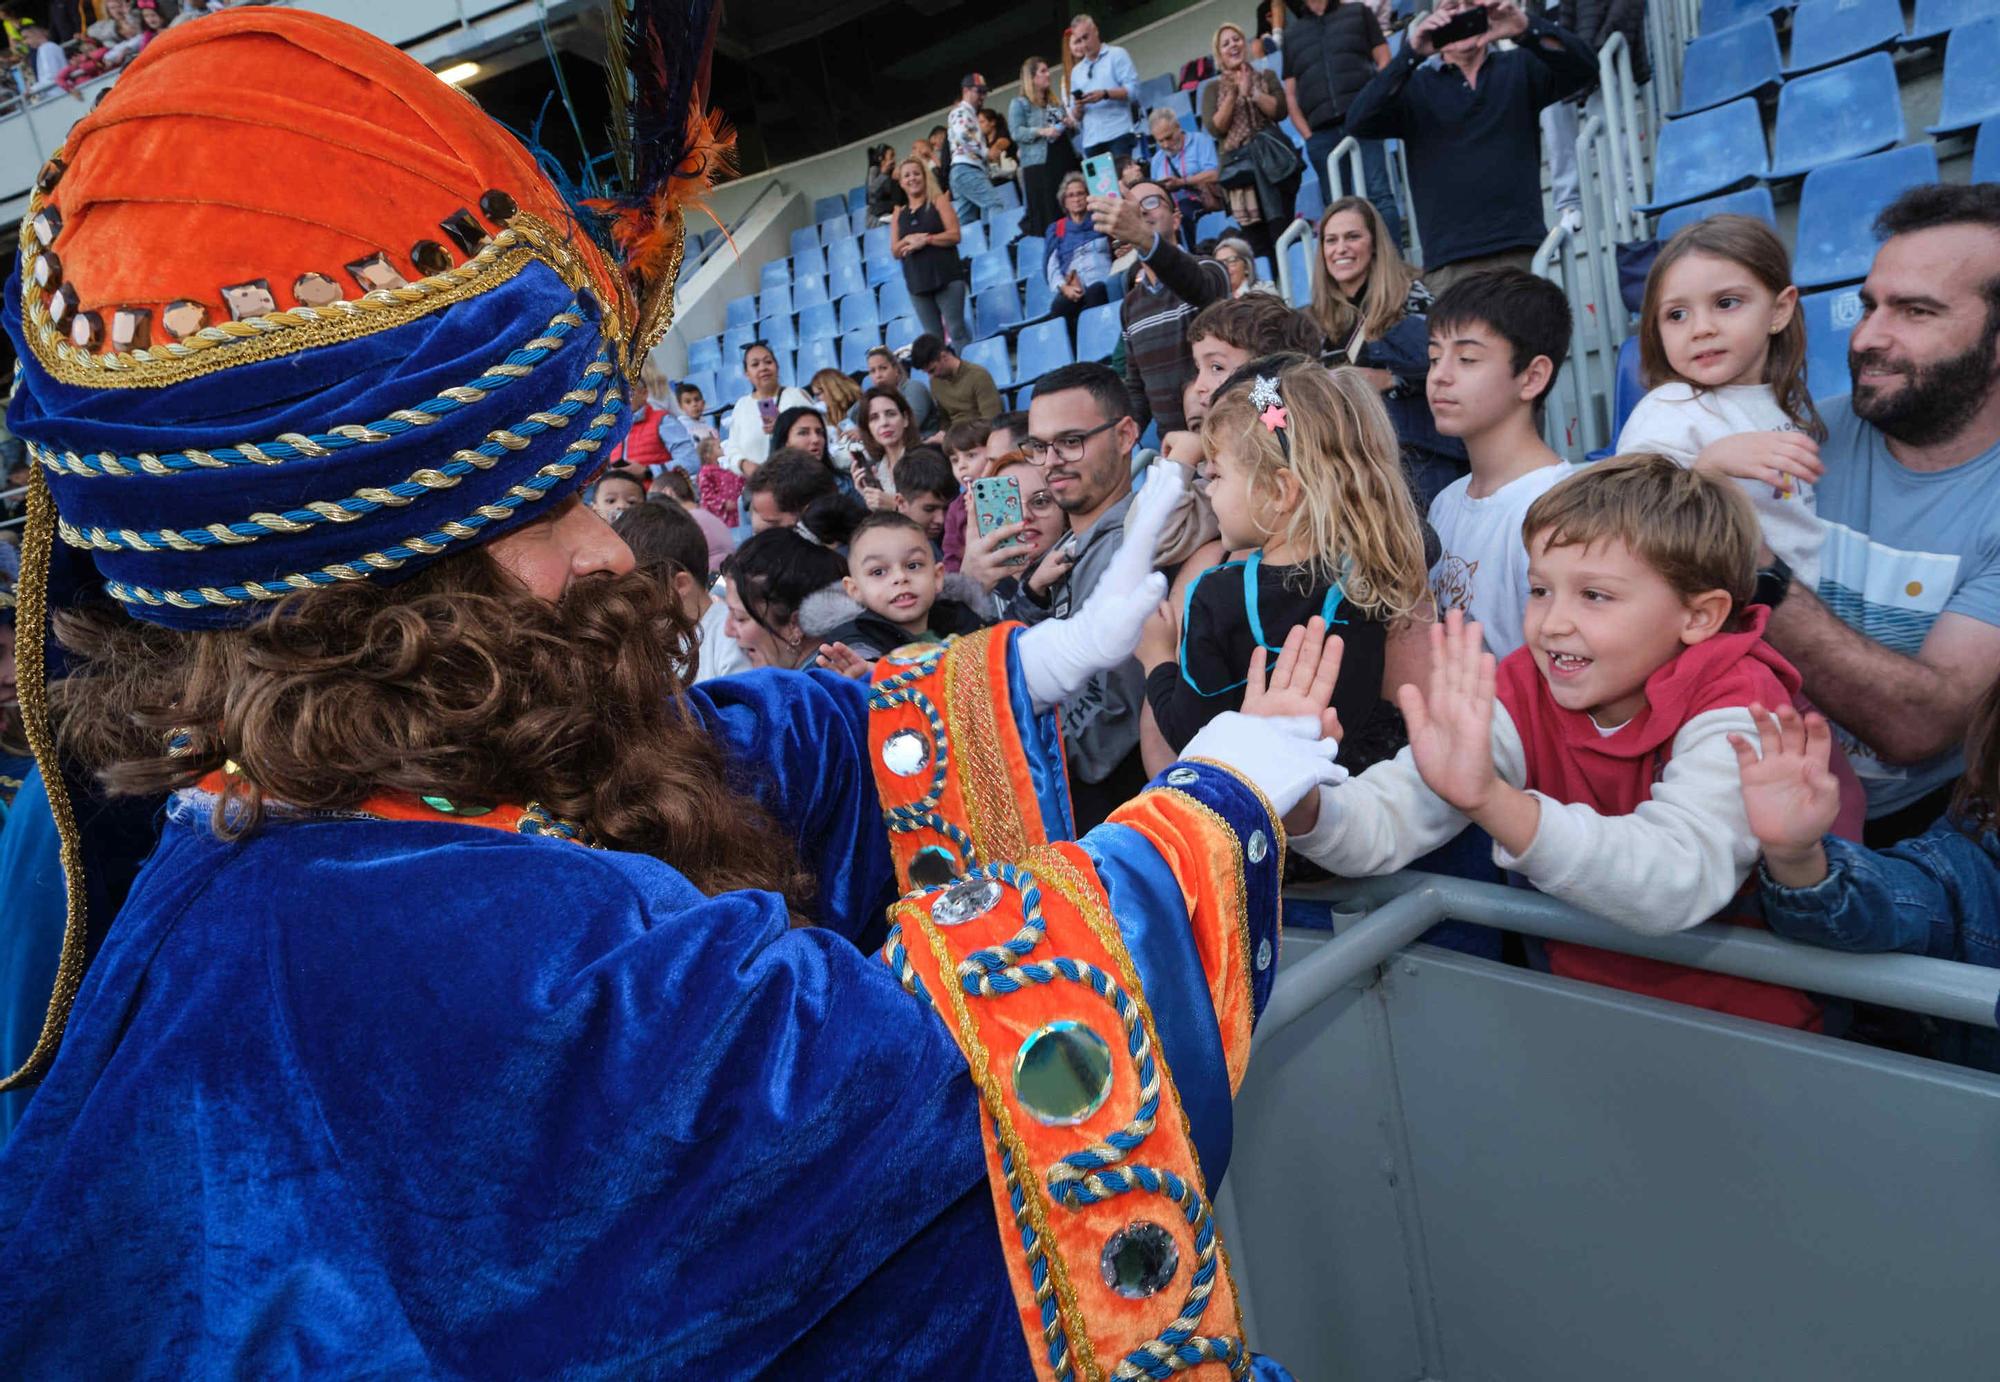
(972, 193)
(941, 310)
(1374, 171)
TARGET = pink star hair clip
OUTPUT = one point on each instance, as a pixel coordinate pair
(1271, 410)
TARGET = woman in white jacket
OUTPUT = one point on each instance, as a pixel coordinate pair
(756, 413)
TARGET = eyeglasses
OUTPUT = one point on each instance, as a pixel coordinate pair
(1152, 203)
(1235, 259)
(1067, 448)
(1041, 501)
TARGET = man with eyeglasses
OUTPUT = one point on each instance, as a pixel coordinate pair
(1081, 432)
(1166, 289)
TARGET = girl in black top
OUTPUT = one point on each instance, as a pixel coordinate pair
(926, 240)
(1305, 477)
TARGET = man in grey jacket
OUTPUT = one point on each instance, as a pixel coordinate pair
(1081, 432)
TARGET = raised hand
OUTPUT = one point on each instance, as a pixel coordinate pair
(1451, 727)
(844, 661)
(1302, 683)
(1777, 459)
(1789, 791)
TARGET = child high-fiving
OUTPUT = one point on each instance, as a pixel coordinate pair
(1451, 735)
(1789, 792)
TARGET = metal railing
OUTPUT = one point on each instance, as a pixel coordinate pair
(1401, 907)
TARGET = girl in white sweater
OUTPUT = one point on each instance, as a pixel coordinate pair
(1723, 347)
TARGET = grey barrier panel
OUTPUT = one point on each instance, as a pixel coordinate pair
(1467, 1171)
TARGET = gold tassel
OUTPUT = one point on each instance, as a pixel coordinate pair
(31, 673)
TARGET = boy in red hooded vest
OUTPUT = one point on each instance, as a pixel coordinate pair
(1597, 755)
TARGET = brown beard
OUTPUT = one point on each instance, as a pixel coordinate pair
(457, 683)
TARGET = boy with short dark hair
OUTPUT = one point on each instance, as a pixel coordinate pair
(1598, 755)
(925, 488)
(668, 545)
(1227, 335)
(893, 592)
(616, 491)
(1497, 342)
(965, 443)
(784, 487)
(693, 407)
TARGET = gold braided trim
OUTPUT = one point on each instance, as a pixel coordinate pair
(221, 345)
(1051, 867)
(1034, 1198)
(367, 564)
(1242, 899)
(993, 812)
(431, 479)
(31, 666)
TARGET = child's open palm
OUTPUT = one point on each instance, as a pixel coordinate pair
(1789, 792)
(1302, 683)
(1451, 727)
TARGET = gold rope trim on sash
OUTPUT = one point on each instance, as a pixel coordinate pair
(992, 810)
(31, 667)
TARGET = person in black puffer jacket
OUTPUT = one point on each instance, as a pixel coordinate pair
(1593, 21)
(1332, 49)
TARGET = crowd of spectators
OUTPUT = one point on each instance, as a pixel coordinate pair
(81, 40)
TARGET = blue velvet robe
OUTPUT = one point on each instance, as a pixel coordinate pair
(355, 1096)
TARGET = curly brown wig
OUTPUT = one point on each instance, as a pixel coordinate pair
(456, 683)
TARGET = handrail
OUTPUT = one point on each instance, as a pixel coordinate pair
(1293, 233)
(1408, 904)
(1621, 118)
(1350, 148)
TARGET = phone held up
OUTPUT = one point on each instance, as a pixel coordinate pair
(1100, 174)
(1467, 23)
(996, 502)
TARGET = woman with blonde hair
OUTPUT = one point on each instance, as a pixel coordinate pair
(924, 235)
(1239, 103)
(1042, 126)
(1371, 304)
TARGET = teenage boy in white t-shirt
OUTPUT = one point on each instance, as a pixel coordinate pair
(1497, 341)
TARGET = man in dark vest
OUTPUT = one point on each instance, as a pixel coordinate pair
(1332, 48)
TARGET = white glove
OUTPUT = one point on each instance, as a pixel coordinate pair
(1059, 655)
(1283, 756)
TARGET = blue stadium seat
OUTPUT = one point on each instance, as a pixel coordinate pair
(1751, 201)
(1986, 153)
(775, 301)
(857, 201)
(785, 375)
(1835, 113)
(1188, 122)
(1043, 347)
(894, 298)
(878, 242)
(993, 269)
(1312, 201)
(1298, 262)
(733, 341)
(834, 228)
(817, 353)
(1023, 393)
(1153, 91)
(857, 313)
(1010, 196)
(854, 348)
(815, 320)
(826, 208)
(1717, 15)
(1971, 77)
(780, 332)
(845, 250)
(808, 262)
(1721, 67)
(809, 290)
(992, 355)
(1213, 226)
(1037, 297)
(994, 310)
(1265, 271)
(1837, 209)
(740, 311)
(1828, 31)
(882, 271)
(1830, 319)
(805, 238)
(1003, 225)
(972, 240)
(901, 333)
(774, 272)
(730, 385)
(1097, 332)
(701, 379)
(1030, 253)
(704, 352)
(1935, 18)
(846, 279)
(1704, 154)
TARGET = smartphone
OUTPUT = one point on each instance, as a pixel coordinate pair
(996, 502)
(767, 408)
(1465, 24)
(1100, 175)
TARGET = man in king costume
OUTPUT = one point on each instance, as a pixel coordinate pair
(492, 1005)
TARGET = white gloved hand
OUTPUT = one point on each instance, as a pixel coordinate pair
(1283, 756)
(1059, 655)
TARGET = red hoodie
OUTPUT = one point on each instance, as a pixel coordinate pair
(1570, 762)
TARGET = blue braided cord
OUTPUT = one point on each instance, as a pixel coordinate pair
(1038, 1263)
(250, 530)
(898, 960)
(885, 698)
(536, 487)
(266, 453)
(914, 673)
(1033, 927)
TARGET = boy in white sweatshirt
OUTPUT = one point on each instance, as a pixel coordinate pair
(1597, 755)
